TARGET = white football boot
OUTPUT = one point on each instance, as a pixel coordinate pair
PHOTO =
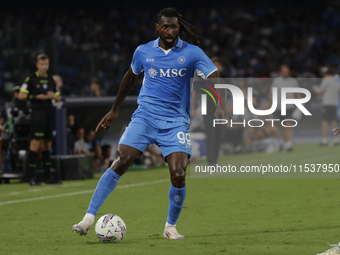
(83, 227)
(170, 232)
(333, 251)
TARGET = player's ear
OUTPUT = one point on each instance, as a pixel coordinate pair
(156, 30)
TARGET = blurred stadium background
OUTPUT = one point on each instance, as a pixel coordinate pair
(251, 39)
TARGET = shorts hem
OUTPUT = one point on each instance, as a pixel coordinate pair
(133, 146)
(176, 150)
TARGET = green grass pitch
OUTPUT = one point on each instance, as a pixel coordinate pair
(220, 215)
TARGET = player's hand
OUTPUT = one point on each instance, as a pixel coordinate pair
(222, 113)
(107, 120)
(50, 94)
(336, 131)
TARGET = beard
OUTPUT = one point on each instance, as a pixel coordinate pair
(168, 44)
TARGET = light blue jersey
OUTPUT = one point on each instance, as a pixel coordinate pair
(165, 93)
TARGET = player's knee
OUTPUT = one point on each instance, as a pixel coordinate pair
(120, 164)
(178, 178)
(122, 161)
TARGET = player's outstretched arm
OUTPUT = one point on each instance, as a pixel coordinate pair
(125, 87)
(221, 111)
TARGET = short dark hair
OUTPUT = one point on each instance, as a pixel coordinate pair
(42, 56)
(167, 12)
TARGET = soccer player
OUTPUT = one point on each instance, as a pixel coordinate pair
(162, 116)
(330, 89)
(40, 89)
(280, 82)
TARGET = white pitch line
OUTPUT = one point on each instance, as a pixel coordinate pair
(82, 192)
(41, 189)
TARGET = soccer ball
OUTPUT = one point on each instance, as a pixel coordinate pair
(110, 228)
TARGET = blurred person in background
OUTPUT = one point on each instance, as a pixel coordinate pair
(106, 154)
(95, 87)
(64, 90)
(70, 133)
(40, 89)
(98, 162)
(235, 135)
(85, 142)
(330, 90)
(282, 82)
(8, 112)
(212, 134)
(80, 146)
(90, 140)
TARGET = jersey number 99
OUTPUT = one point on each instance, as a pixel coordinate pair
(183, 138)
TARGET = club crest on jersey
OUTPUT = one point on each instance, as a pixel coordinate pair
(152, 72)
(181, 60)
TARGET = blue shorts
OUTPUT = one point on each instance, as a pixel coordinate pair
(170, 136)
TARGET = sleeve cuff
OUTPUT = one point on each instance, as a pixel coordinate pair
(135, 71)
(25, 91)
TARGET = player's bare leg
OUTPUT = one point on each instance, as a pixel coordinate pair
(124, 158)
(177, 162)
(287, 134)
(336, 139)
(324, 131)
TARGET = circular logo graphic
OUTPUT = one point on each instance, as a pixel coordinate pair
(152, 72)
(181, 60)
(178, 198)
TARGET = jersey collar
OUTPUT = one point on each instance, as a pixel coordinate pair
(37, 74)
(179, 43)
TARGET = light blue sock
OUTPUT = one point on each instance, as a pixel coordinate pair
(105, 186)
(176, 197)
